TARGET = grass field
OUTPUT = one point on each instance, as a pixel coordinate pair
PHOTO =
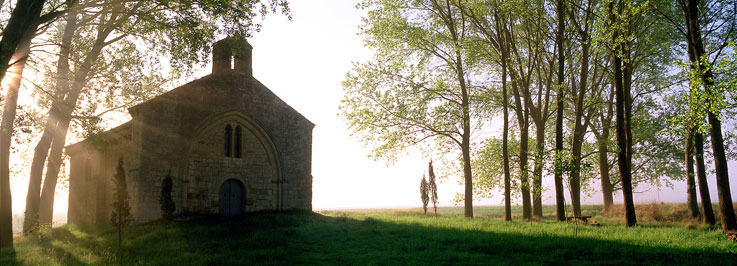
(381, 237)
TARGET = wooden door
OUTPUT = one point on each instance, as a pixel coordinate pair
(231, 198)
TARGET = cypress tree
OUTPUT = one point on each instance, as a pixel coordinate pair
(121, 209)
(167, 203)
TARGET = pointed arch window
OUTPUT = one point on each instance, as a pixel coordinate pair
(228, 140)
(237, 147)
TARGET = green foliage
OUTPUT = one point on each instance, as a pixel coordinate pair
(409, 94)
(121, 216)
(165, 200)
(489, 168)
(424, 189)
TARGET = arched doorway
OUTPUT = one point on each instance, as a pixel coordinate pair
(231, 198)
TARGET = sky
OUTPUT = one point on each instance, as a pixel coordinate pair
(304, 61)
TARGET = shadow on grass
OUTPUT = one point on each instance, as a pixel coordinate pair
(49, 244)
(7, 255)
(309, 238)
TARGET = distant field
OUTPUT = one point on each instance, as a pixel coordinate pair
(382, 236)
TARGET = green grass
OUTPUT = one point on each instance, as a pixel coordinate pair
(373, 237)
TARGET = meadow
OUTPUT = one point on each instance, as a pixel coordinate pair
(384, 237)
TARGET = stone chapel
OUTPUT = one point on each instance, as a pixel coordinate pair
(230, 145)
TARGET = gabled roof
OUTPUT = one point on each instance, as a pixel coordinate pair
(116, 132)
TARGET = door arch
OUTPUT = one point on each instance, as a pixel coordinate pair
(231, 198)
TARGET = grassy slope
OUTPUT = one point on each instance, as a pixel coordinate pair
(366, 237)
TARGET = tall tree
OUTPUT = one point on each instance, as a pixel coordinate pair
(9, 112)
(525, 52)
(488, 19)
(622, 77)
(560, 101)
(32, 202)
(540, 105)
(24, 16)
(582, 20)
(418, 87)
(706, 77)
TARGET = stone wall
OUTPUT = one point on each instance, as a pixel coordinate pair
(181, 132)
(93, 164)
(170, 124)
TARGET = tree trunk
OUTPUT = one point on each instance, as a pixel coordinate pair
(6, 132)
(524, 181)
(46, 205)
(606, 183)
(559, 198)
(726, 210)
(703, 185)
(607, 189)
(693, 204)
(21, 19)
(61, 114)
(505, 143)
(579, 127)
(466, 137)
(720, 164)
(623, 140)
(576, 181)
(44, 144)
(522, 120)
(537, 184)
(53, 166)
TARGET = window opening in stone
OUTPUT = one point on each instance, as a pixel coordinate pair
(238, 151)
(228, 140)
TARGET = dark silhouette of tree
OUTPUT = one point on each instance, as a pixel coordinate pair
(23, 16)
(622, 76)
(693, 204)
(693, 12)
(167, 204)
(424, 189)
(121, 209)
(560, 100)
(701, 176)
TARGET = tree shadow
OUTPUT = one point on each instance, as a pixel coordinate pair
(8, 256)
(310, 238)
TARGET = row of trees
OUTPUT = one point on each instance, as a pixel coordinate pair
(92, 57)
(604, 71)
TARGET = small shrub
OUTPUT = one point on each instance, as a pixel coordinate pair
(654, 212)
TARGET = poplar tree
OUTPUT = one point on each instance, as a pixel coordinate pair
(433, 188)
(424, 194)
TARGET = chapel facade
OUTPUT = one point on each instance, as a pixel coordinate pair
(230, 145)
